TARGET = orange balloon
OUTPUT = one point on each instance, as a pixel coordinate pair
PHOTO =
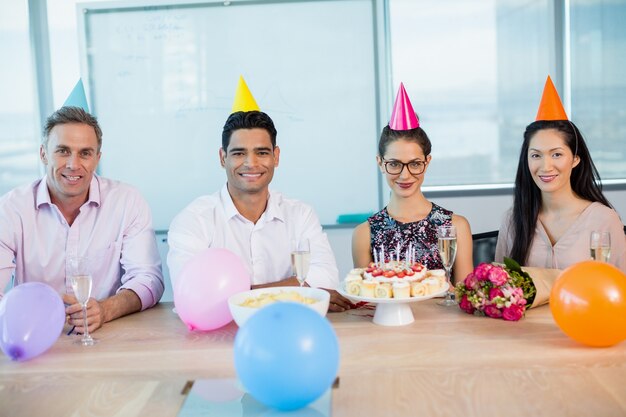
(588, 302)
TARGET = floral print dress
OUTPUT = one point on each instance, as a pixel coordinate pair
(386, 231)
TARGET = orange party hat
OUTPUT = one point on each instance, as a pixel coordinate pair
(550, 107)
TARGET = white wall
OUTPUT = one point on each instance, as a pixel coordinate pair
(484, 214)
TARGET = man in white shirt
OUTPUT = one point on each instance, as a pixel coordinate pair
(247, 218)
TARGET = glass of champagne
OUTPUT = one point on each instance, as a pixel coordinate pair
(446, 237)
(600, 246)
(300, 259)
(80, 278)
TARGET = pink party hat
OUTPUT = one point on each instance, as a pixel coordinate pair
(403, 116)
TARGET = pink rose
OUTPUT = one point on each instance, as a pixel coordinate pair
(482, 271)
(466, 305)
(513, 313)
(495, 292)
(471, 282)
(498, 276)
(517, 296)
(493, 311)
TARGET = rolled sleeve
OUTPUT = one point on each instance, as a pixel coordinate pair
(140, 258)
(146, 289)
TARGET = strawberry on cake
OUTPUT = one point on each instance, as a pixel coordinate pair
(394, 280)
(395, 271)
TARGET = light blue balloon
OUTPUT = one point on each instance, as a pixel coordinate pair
(286, 355)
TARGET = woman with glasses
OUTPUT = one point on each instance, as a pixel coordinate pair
(409, 220)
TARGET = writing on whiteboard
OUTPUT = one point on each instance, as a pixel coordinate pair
(154, 27)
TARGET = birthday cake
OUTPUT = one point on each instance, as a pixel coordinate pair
(394, 279)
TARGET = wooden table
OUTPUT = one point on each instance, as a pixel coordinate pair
(446, 363)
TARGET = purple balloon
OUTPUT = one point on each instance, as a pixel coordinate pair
(206, 282)
(31, 320)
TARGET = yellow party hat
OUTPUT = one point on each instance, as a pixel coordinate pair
(243, 98)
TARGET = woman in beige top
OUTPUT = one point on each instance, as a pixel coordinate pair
(558, 201)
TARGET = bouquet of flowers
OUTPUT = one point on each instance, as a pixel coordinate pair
(504, 291)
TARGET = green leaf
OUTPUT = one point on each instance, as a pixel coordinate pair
(512, 265)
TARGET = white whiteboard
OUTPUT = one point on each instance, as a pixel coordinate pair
(161, 80)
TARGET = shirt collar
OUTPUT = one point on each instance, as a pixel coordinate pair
(43, 195)
(272, 211)
(94, 191)
(227, 202)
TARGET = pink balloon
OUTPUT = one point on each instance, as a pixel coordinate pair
(206, 282)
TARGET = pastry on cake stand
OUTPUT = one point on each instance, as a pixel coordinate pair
(393, 311)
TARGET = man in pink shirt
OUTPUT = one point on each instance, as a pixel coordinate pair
(72, 212)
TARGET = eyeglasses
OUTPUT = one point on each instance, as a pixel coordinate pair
(395, 167)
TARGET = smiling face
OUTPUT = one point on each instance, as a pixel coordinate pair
(70, 156)
(403, 184)
(550, 161)
(249, 161)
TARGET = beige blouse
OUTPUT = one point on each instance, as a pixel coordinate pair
(573, 246)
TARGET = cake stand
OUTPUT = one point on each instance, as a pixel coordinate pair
(393, 311)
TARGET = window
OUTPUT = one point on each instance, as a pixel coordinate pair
(598, 68)
(19, 136)
(475, 73)
(64, 60)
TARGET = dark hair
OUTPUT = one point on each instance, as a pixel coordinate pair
(416, 135)
(584, 179)
(71, 114)
(247, 120)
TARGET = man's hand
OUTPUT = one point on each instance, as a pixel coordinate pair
(100, 312)
(74, 312)
(338, 303)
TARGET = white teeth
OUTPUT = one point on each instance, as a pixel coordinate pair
(250, 175)
(73, 178)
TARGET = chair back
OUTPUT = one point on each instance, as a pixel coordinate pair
(484, 246)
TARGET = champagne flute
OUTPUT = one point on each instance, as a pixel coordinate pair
(80, 279)
(446, 237)
(600, 246)
(300, 259)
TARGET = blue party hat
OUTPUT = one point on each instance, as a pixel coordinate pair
(77, 97)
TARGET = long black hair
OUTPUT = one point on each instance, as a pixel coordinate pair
(584, 179)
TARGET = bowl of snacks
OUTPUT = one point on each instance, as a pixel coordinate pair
(244, 305)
